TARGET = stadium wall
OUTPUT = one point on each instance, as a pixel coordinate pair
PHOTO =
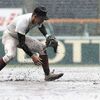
(71, 50)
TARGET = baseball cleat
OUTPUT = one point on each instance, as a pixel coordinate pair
(52, 76)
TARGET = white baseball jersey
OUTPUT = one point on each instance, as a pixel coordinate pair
(21, 24)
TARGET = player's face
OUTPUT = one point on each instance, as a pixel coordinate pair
(37, 20)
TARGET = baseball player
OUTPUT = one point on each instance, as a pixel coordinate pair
(15, 36)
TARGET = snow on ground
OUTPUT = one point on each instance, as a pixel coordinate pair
(78, 83)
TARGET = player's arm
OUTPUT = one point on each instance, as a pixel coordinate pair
(50, 39)
(21, 26)
(43, 30)
(22, 44)
(21, 38)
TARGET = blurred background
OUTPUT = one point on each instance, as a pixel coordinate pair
(76, 23)
(88, 10)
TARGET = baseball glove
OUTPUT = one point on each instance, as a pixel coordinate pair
(52, 42)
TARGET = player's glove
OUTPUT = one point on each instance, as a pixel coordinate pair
(52, 42)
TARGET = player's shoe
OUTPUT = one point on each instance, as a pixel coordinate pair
(52, 76)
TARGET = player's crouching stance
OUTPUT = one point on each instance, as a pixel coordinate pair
(15, 36)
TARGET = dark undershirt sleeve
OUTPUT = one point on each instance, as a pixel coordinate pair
(43, 30)
(22, 44)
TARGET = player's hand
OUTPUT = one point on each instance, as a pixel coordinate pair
(37, 60)
(52, 42)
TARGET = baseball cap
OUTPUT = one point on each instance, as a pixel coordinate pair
(41, 11)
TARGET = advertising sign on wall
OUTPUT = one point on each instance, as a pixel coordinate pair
(7, 15)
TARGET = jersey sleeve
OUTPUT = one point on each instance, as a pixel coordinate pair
(21, 26)
(49, 28)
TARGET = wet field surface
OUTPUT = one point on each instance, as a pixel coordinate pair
(78, 83)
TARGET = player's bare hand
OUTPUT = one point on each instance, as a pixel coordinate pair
(37, 60)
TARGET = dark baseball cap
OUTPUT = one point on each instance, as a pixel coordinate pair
(41, 11)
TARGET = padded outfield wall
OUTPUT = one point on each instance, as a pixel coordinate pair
(77, 50)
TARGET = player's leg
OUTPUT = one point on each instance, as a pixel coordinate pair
(37, 46)
(45, 64)
(10, 50)
(2, 64)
